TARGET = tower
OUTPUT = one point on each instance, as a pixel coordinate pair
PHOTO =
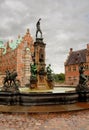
(40, 78)
(39, 60)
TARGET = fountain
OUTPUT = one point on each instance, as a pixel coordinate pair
(42, 90)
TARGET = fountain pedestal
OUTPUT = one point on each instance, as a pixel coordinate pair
(42, 81)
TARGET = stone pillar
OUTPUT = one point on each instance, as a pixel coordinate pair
(27, 62)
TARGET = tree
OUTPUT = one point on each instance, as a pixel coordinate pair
(59, 77)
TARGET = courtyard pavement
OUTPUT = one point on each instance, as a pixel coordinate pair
(78, 120)
(53, 117)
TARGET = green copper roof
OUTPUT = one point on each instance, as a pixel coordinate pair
(15, 43)
(1, 44)
(12, 44)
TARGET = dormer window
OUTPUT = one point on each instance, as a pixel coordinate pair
(76, 60)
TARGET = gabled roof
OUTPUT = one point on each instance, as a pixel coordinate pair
(14, 44)
(76, 57)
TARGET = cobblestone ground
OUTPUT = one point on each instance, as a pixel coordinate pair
(48, 121)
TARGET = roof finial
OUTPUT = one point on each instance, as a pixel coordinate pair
(8, 44)
(27, 30)
(19, 36)
(11, 41)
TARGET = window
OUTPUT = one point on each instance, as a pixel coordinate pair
(69, 78)
(74, 68)
(74, 78)
(42, 56)
(69, 68)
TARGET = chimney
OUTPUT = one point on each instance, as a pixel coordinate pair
(88, 46)
(11, 41)
(19, 36)
(28, 31)
(8, 44)
(71, 50)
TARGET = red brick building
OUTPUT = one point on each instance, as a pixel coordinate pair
(17, 55)
(72, 65)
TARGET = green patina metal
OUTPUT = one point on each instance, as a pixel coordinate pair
(1, 44)
(13, 45)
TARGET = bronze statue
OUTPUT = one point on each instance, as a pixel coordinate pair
(49, 72)
(7, 73)
(82, 78)
(10, 79)
(82, 86)
(38, 28)
(33, 70)
(33, 77)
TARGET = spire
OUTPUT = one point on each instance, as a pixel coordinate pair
(19, 36)
(11, 41)
(8, 44)
(28, 31)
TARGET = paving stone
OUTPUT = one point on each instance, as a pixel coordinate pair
(45, 121)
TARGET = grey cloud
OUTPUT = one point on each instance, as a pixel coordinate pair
(64, 24)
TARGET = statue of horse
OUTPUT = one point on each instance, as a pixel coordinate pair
(10, 78)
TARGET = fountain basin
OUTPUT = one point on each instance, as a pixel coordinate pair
(37, 98)
(54, 96)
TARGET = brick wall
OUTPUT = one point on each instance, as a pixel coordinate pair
(18, 59)
(72, 70)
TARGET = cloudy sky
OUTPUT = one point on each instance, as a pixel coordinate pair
(65, 25)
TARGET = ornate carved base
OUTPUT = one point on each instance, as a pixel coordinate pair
(12, 88)
(33, 83)
(41, 82)
(44, 83)
(50, 84)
